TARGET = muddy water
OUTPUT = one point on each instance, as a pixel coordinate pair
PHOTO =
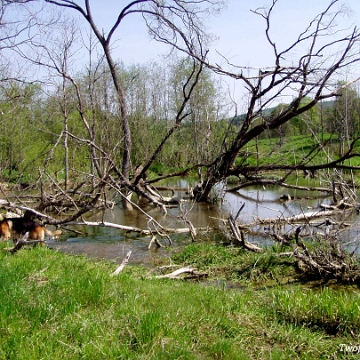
(113, 244)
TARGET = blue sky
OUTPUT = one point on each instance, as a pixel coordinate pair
(240, 32)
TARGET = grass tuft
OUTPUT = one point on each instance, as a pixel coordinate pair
(337, 312)
(238, 265)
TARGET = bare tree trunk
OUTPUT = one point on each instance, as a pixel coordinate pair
(126, 164)
(66, 156)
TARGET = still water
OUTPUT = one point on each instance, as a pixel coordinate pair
(113, 244)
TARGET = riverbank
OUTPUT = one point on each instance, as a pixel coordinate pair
(58, 306)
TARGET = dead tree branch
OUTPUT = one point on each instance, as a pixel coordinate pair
(240, 238)
(177, 274)
(24, 242)
(122, 265)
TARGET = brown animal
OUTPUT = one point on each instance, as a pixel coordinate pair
(15, 228)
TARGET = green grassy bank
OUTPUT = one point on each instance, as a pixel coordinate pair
(56, 306)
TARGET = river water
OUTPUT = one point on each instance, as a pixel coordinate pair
(113, 244)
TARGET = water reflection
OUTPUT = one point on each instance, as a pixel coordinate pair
(265, 202)
(113, 244)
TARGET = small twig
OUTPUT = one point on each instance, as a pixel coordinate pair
(239, 211)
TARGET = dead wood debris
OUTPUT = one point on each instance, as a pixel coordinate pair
(240, 237)
(184, 273)
(327, 260)
(122, 265)
(155, 240)
(24, 242)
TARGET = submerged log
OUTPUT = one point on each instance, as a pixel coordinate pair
(265, 182)
(300, 218)
(136, 229)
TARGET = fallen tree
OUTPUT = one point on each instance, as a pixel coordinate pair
(313, 237)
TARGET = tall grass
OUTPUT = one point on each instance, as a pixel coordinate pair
(56, 306)
(334, 311)
(236, 264)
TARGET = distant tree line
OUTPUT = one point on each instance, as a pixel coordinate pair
(32, 121)
(340, 117)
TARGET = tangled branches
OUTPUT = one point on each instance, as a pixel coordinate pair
(326, 259)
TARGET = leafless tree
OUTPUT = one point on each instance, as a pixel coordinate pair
(172, 19)
(310, 75)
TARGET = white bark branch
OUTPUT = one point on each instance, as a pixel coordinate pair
(122, 265)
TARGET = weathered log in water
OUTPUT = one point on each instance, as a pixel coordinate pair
(265, 182)
(301, 218)
(136, 229)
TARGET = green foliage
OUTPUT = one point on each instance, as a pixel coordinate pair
(32, 125)
(293, 150)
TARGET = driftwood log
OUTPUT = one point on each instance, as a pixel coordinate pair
(177, 274)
